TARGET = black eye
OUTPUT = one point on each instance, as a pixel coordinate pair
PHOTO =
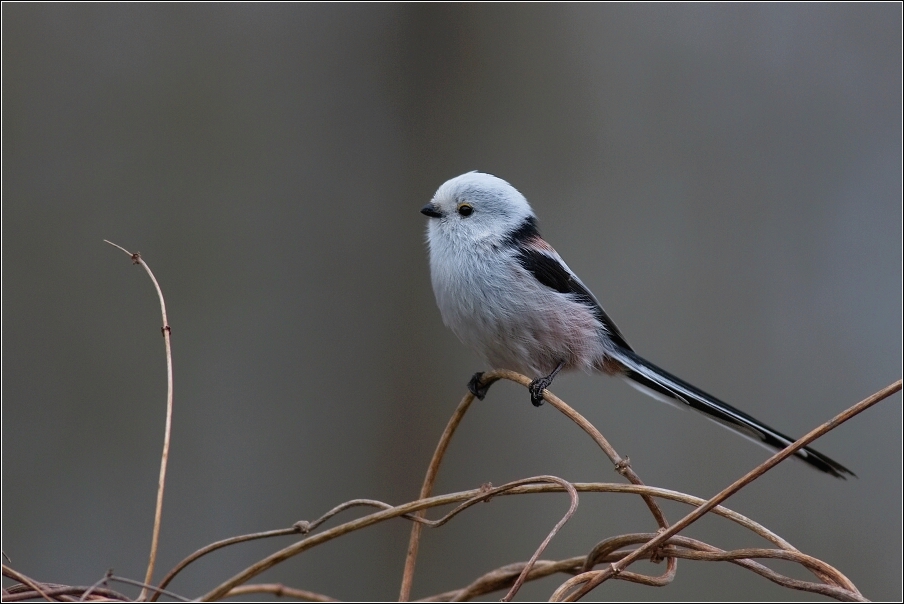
(465, 210)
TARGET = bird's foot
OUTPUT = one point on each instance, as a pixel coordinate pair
(476, 388)
(536, 389)
(537, 386)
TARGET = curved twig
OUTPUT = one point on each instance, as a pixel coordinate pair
(102, 581)
(839, 588)
(148, 588)
(467, 499)
(505, 576)
(426, 489)
(158, 513)
(21, 592)
(758, 471)
(302, 526)
(25, 580)
(280, 591)
(572, 492)
(622, 466)
(218, 545)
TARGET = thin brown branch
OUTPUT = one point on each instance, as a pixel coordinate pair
(302, 526)
(280, 591)
(505, 576)
(466, 498)
(306, 527)
(158, 513)
(517, 488)
(149, 588)
(426, 489)
(31, 583)
(100, 582)
(622, 466)
(664, 535)
(218, 545)
(678, 547)
(21, 592)
(838, 586)
(572, 492)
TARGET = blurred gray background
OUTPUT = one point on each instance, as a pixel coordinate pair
(726, 179)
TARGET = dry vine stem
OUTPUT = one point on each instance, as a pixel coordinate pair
(586, 582)
(466, 499)
(158, 512)
(655, 546)
(622, 466)
(505, 576)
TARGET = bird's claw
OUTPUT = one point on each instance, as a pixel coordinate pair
(536, 389)
(476, 388)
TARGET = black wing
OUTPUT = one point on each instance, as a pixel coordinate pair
(553, 274)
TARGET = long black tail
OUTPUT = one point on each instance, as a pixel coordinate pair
(662, 382)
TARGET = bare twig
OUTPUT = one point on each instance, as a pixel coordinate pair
(523, 487)
(530, 563)
(217, 545)
(426, 490)
(20, 592)
(502, 578)
(102, 581)
(622, 466)
(306, 527)
(505, 577)
(148, 588)
(158, 513)
(839, 586)
(280, 591)
(302, 526)
(34, 585)
(467, 499)
(591, 580)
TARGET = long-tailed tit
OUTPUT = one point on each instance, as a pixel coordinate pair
(506, 293)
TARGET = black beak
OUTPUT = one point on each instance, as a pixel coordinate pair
(431, 211)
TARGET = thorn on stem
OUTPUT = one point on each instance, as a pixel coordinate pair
(302, 526)
(136, 258)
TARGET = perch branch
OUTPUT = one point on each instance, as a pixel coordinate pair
(622, 466)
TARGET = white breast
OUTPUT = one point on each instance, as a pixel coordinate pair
(512, 320)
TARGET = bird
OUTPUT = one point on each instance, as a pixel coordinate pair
(506, 293)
